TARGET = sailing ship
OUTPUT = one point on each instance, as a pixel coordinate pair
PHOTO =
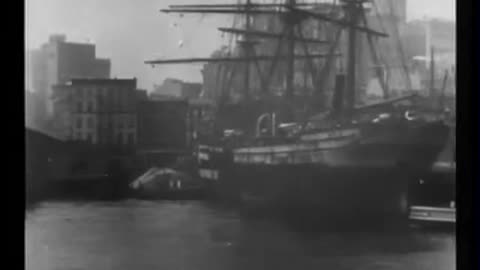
(350, 161)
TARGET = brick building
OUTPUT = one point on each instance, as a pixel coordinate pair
(100, 111)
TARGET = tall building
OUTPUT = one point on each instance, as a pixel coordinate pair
(100, 111)
(32, 110)
(58, 61)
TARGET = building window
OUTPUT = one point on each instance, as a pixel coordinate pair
(123, 100)
(79, 122)
(90, 106)
(119, 123)
(101, 103)
(131, 123)
(104, 121)
(114, 96)
(79, 106)
(120, 100)
(89, 138)
(119, 138)
(90, 122)
(131, 138)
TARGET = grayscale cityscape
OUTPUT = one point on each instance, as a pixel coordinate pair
(240, 134)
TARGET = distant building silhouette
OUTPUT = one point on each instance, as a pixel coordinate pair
(57, 62)
(174, 88)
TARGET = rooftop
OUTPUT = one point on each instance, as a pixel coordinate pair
(96, 81)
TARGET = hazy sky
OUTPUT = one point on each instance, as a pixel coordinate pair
(132, 31)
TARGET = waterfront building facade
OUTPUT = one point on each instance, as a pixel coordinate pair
(99, 111)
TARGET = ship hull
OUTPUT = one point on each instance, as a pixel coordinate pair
(332, 193)
(363, 180)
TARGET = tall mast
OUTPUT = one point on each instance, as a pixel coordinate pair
(246, 49)
(293, 16)
(432, 71)
(290, 52)
(442, 93)
(352, 8)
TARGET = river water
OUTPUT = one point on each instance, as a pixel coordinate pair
(196, 235)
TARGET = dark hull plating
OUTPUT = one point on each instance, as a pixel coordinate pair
(367, 180)
(331, 193)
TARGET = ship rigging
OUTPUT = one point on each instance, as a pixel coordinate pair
(292, 15)
(342, 167)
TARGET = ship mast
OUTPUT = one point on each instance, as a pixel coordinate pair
(247, 49)
(353, 9)
(353, 12)
(292, 15)
(432, 72)
(290, 52)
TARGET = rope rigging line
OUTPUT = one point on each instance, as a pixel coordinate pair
(400, 49)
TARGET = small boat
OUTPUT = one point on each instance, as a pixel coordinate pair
(428, 214)
(166, 183)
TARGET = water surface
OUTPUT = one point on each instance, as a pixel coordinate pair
(195, 235)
